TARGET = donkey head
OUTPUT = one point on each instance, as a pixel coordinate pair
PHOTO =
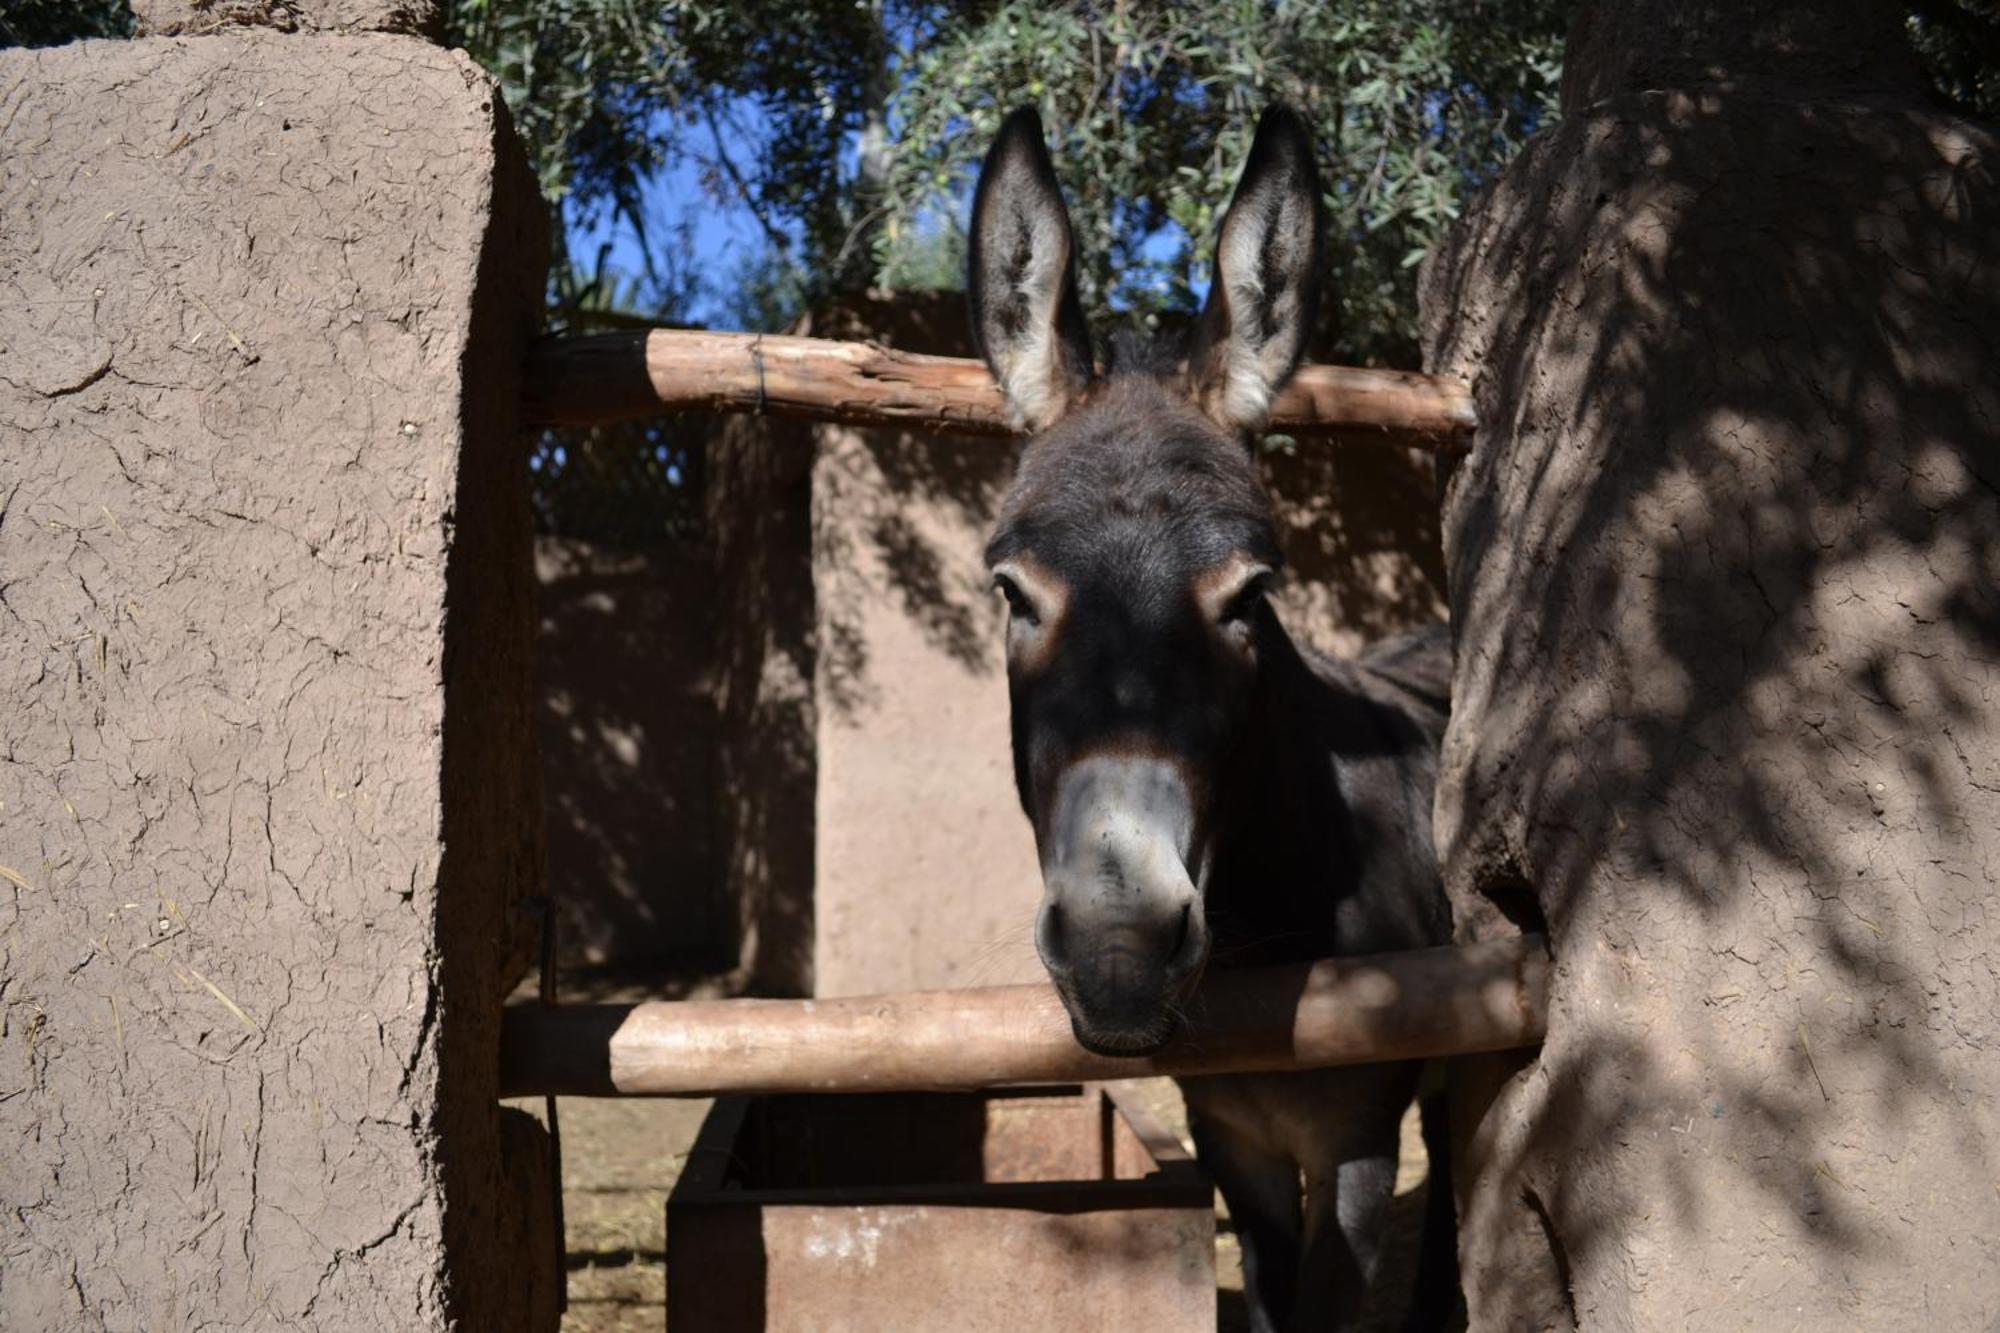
(1133, 551)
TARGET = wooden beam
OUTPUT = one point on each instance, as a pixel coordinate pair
(1449, 1001)
(620, 376)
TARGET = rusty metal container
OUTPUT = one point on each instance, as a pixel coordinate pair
(1005, 1210)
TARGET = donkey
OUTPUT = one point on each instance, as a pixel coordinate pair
(1201, 786)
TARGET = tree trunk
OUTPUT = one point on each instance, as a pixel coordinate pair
(1723, 565)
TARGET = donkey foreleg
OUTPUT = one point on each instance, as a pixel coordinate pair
(1346, 1216)
(1262, 1191)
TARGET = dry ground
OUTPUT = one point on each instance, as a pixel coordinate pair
(621, 1158)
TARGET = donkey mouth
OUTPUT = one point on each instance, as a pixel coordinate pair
(1123, 1040)
(1128, 1026)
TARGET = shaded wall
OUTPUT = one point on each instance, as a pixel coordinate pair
(625, 678)
(1724, 565)
(759, 523)
(676, 723)
(267, 797)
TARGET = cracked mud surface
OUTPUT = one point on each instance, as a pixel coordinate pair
(242, 290)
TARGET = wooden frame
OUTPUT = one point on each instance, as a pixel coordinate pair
(1400, 1006)
(621, 376)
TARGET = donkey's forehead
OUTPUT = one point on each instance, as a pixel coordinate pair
(1136, 478)
(1129, 558)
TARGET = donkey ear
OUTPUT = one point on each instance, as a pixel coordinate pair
(1265, 289)
(1026, 313)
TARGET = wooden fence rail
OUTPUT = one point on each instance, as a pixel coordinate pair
(620, 376)
(1429, 1002)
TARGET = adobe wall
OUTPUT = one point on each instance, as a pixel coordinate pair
(1724, 565)
(626, 693)
(197, 18)
(267, 801)
(759, 507)
(926, 872)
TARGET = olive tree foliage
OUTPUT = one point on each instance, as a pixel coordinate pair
(608, 93)
(53, 22)
(871, 116)
(867, 117)
(1150, 108)
(1958, 44)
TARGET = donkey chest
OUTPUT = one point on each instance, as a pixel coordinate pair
(1365, 898)
(1314, 1118)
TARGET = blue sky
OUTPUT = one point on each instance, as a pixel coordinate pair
(711, 229)
(721, 234)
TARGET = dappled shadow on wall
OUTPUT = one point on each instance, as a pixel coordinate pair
(1757, 596)
(900, 518)
(1359, 523)
(628, 733)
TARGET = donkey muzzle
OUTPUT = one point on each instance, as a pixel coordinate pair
(1121, 930)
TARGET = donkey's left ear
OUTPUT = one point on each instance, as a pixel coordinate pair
(1265, 289)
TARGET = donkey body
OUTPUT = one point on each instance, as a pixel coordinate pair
(1200, 787)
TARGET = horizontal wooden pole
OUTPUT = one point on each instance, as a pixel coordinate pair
(620, 376)
(1400, 1006)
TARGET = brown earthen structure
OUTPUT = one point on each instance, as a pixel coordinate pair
(1723, 564)
(268, 811)
(1723, 567)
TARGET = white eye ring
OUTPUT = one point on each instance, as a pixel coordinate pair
(1243, 603)
(1020, 607)
(1037, 600)
(1228, 594)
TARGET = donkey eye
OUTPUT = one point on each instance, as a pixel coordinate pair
(1018, 605)
(1240, 607)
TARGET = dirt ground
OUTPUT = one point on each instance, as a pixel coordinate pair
(621, 1159)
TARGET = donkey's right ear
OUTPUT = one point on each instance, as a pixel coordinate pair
(1026, 313)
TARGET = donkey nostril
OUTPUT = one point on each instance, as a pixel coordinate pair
(1049, 934)
(1188, 950)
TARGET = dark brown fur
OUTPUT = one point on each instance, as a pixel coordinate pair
(1202, 789)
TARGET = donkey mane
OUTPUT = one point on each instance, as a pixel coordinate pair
(1136, 351)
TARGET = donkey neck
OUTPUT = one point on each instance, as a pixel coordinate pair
(1292, 858)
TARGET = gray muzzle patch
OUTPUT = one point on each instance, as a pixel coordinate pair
(1121, 929)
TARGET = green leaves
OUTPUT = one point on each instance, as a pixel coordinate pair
(1150, 106)
(53, 22)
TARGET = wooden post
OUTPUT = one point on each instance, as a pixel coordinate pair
(619, 376)
(1448, 1001)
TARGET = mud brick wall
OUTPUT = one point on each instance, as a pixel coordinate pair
(171, 18)
(1723, 568)
(759, 504)
(266, 771)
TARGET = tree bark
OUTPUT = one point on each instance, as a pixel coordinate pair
(1723, 562)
